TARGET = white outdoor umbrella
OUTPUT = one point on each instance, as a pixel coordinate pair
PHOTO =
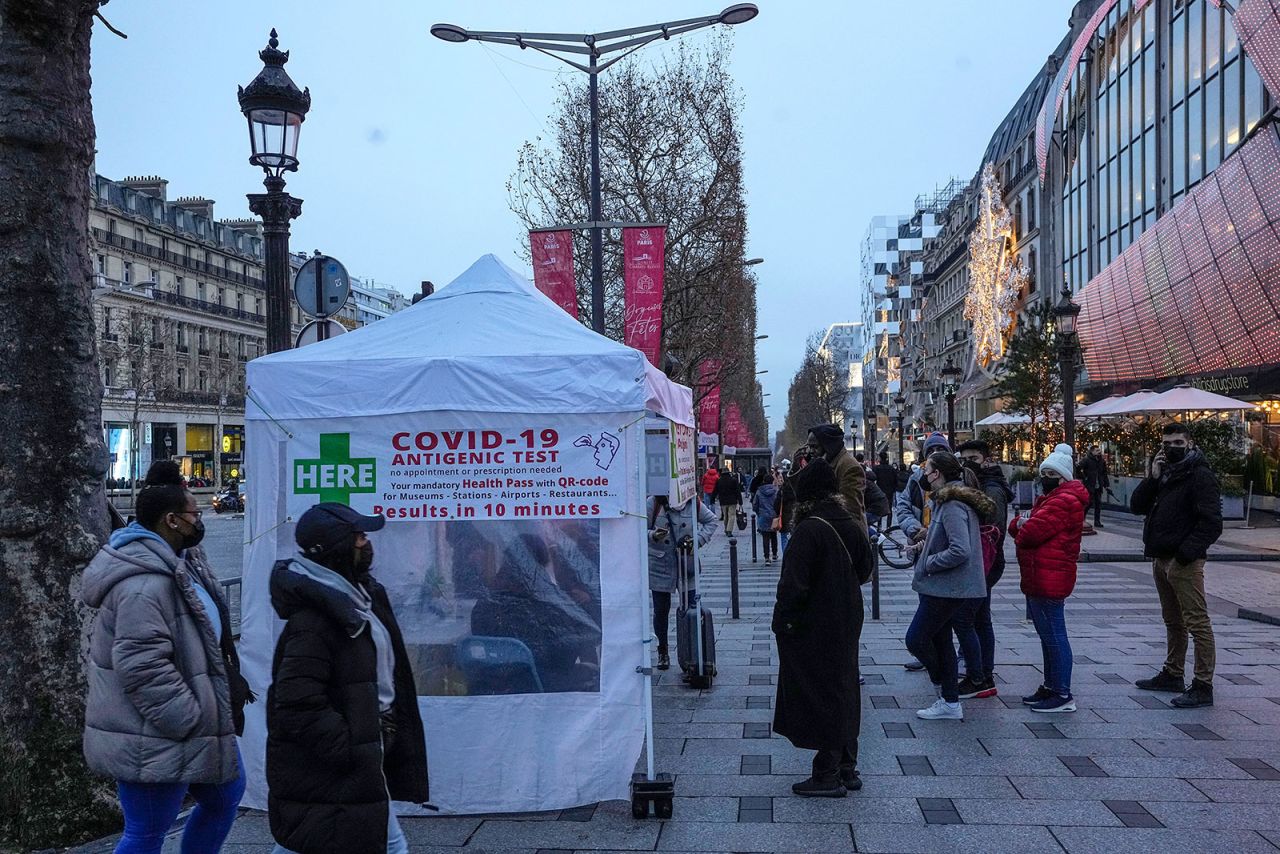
(1185, 398)
(1116, 405)
(1098, 407)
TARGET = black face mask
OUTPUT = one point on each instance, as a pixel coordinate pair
(973, 466)
(1049, 484)
(364, 558)
(192, 539)
(1175, 455)
(925, 484)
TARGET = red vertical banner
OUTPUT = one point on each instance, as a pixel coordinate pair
(735, 428)
(553, 268)
(709, 390)
(643, 266)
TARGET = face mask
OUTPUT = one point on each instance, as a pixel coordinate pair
(192, 539)
(364, 558)
(1049, 484)
(1175, 455)
(925, 484)
(972, 465)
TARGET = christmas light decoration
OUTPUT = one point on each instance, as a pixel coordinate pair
(997, 275)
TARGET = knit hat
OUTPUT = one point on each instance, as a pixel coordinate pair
(935, 442)
(1059, 462)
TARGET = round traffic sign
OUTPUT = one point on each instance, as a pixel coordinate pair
(311, 333)
(322, 286)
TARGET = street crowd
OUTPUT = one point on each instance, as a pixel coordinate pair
(955, 510)
(166, 698)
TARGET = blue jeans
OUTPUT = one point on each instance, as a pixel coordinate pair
(977, 639)
(396, 843)
(929, 639)
(150, 810)
(1049, 616)
(783, 536)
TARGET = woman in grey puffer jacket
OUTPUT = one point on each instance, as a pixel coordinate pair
(158, 718)
(667, 527)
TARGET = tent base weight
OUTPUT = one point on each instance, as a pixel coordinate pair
(658, 792)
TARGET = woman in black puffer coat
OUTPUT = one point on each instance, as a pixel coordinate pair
(344, 735)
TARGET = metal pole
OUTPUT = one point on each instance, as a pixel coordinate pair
(1067, 355)
(902, 457)
(597, 235)
(322, 328)
(733, 574)
(951, 419)
(277, 208)
(754, 535)
(875, 585)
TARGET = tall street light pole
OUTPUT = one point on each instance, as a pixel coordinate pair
(1065, 313)
(275, 109)
(950, 382)
(901, 403)
(594, 46)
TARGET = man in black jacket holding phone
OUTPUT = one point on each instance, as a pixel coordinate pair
(1182, 502)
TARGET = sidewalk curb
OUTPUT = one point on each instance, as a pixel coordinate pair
(1138, 557)
(1270, 616)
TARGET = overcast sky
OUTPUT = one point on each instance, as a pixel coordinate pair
(852, 108)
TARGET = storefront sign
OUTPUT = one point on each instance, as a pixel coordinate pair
(643, 260)
(553, 268)
(669, 460)
(438, 466)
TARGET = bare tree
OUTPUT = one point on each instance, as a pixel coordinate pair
(671, 153)
(817, 394)
(52, 461)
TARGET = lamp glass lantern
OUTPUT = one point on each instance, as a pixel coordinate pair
(275, 108)
(950, 377)
(1065, 313)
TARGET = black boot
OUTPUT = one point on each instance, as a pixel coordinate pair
(820, 788)
(664, 660)
(1162, 681)
(849, 778)
(1199, 694)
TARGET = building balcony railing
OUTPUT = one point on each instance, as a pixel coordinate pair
(206, 306)
(202, 398)
(142, 248)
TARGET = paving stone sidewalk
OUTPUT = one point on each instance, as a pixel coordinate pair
(1125, 773)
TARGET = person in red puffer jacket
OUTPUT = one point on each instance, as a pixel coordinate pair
(1048, 546)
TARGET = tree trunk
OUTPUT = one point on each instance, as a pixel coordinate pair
(52, 459)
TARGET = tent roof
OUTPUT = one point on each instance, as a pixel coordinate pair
(488, 341)
(1185, 398)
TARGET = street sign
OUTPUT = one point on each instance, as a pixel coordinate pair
(322, 286)
(311, 333)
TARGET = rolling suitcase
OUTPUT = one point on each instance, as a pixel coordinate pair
(687, 619)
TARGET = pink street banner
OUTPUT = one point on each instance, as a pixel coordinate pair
(709, 390)
(735, 428)
(643, 261)
(553, 268)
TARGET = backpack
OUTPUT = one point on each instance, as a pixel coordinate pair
(990, 537)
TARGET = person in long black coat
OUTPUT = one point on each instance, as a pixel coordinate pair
(818, 621)
(344, 735)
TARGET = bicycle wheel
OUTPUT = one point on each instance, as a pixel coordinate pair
(893, 548)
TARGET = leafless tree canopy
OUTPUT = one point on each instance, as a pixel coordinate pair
(817, 394)
(670, 153)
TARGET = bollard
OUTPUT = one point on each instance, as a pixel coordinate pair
(733, 574)
(875, 586)
(753, 538)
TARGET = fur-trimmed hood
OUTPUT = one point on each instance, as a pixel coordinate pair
(975, 498)
(805, 509)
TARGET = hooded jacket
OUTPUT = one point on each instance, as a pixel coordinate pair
(728, 491)
(851, 477)
(1048, 541)
(159, 705)
(1183, 508)
(950, 564)
(328, 768)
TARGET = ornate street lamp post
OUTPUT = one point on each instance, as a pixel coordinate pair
(275, 109)
(900, 403)
(1065, 313)
(950, 382)
(592, 47)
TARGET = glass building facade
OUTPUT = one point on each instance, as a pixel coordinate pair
(1162, 94)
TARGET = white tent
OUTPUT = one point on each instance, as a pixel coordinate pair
(504, 442)
(1117, 404)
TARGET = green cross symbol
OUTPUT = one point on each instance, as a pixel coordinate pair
(335, 476)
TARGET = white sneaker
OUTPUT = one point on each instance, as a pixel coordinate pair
(941, 710)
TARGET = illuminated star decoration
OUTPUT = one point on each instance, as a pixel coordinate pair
(996, 273)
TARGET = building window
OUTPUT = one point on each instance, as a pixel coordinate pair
(239, 301)
(107, 376)
(202, 381)
(157, 333)
(200, 295)
(126, 275)
(102, 265)
(137, 235)
(182, 378)
(1031, 208)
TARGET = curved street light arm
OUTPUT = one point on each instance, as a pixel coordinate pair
(659, 28)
